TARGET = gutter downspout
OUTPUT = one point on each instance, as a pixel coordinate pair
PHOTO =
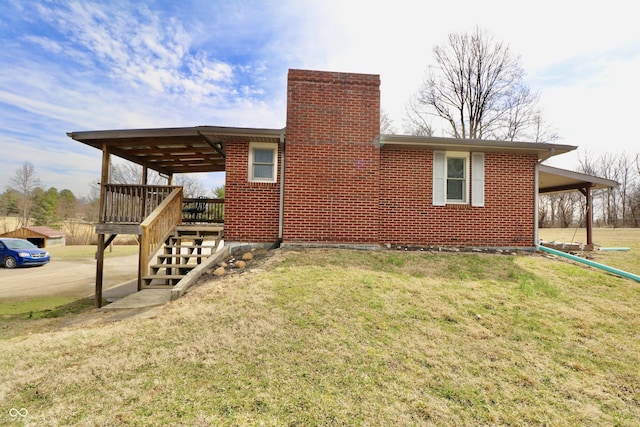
(281, 207)
(612, 270)
(536, 231)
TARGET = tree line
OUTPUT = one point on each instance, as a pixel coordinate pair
(27, 200)
(612, 207)
(30, 203)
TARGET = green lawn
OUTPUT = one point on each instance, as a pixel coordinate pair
(88, 251)
(338, 337)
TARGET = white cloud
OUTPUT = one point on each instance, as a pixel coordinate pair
(132, 45)
(114, 66)
(46, 43)
(125, 64)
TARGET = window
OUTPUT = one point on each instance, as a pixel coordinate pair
(263, 162)
(451, 180)
(456, 179)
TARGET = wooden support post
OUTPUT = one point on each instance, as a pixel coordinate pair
(104, 179)
(589, 214)
(140, 256)
(99, 269)
(586, 192)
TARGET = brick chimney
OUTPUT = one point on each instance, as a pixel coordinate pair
(332, 176)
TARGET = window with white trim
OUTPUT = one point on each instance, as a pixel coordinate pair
(263, 162)
(457, 173)
(451, 179)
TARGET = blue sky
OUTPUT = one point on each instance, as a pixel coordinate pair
(85, 65)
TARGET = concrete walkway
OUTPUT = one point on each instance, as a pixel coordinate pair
(144, 298)
(126, 296)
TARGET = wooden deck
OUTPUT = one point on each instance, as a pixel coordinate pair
(161, 217)
(125, 207)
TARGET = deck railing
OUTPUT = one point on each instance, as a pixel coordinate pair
(126, 203)
(157, 227)
(203, 210)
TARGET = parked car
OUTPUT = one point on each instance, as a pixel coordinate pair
(21, 252)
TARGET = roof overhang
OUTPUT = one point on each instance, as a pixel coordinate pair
(175, 150)
(555, 180)
(541, 150)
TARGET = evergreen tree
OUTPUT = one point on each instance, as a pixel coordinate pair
(45, 209)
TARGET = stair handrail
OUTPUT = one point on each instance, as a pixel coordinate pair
(157, 227)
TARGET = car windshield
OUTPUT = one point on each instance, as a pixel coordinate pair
(19, 244)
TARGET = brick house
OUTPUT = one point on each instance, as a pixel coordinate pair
(330, 178)
(346, 184)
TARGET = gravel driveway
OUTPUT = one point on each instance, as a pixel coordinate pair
(65, 278)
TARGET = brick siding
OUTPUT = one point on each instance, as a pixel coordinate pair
(332, 162)
(408, 217)
(341, 187)
(251, 209)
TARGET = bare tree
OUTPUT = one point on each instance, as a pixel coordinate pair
(415, 122)
(24, 182)
(544, 219)
(556, 210)
(191, 187)
(386, 124)
(476, 88)
(131, 173)
(619, 205)
(624, 169)
(634, 194)
(611, 202)
(565, 208)
(634, 205)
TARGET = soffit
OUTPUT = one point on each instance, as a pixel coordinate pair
(555, 180)
(175, 150)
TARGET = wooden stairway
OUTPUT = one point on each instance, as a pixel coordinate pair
(183, 251)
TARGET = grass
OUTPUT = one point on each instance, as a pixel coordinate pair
(604, 237)
(337, 337)
(75, 252)
(38, 305)
(37, 315)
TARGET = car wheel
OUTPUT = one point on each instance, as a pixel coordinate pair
(10, 262)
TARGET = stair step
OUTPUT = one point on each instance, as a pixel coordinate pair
(191, 246)
(185, 243)
(197, 236)
(165, 256)
(164, 277)
(157, 286)
(185, 266)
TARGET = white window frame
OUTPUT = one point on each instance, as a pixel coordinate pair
(263, 146)
(465, 195)
(475, 183)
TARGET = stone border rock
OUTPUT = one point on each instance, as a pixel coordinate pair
(184, 284)
(462, 249)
